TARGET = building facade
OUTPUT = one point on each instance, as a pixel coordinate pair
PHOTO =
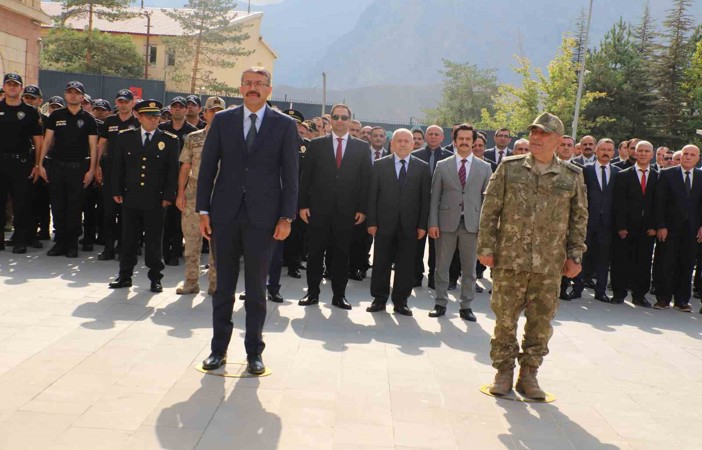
(20, 37)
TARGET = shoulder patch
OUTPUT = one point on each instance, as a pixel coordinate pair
(168, 133)
(126, 130)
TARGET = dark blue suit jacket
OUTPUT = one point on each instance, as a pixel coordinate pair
(599, 202)
(634, 211)
(265, 178)
(674, 208)
(424, 154)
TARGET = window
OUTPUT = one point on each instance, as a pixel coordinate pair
(170, 58)
(153, 54)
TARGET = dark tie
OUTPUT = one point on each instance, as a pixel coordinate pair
(339, 153)
(500, 158)
(251, 135)
(147, 139)
(403, 173)
(377, 154)
(688, 184)
(643, 181)
(432, 161)
(462, 173)
(604, 177)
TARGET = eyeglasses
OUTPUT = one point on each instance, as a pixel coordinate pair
(338, 117)
(256, 84)
(668, 159)
(503, 136)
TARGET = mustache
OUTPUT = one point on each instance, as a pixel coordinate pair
(254, 93)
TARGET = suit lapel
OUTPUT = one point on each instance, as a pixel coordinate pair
(238, 125)
(453, 171)
(268, 124)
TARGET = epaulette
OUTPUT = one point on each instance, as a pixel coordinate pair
(569, 165)
(514, 157)
(128, 129)
(168, 133)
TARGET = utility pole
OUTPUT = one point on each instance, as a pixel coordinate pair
(324, 92)
(581, 78)
(148, 44)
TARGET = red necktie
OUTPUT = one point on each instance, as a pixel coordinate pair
(339, 155)
(462, 173)
(643, 181)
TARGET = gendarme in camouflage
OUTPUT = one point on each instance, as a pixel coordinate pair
(192, 152)
(530, 221)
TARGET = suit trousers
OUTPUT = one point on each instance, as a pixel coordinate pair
(231, 241)
(173, 233)
(419, 258)
(133, 222)
(677, 260)
(110, 209)
(631, 264)
(67, 195)
(399, 249)
(276, 267)
(599, 247)
(446, 245)
(334, 230)
(361, 243)
(293, 246)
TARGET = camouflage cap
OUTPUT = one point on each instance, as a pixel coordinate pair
(548, 123)
(215, 102)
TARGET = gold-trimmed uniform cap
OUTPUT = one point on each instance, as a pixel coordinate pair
(215, 102)
(548, 123)
(295, 114)
(149, 107)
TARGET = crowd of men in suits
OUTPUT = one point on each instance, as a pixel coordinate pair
(394, 194)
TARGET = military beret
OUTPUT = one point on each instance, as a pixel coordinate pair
(77, 85)
(13, 77)
(32, 90)
(149, 107)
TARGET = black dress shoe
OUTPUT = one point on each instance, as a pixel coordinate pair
(242, 296)
(275, 297)
(19, 249)
(156, 287)
(377, 305)
(255, 365)
(120, 283)
(356, 275)
(87, 247)
(72, 252)
(57, 250)
(479, 289)
(341, 302)
(295, 273)
(438, 311)
(106, 255)
(467, 314)
(603, 298)
(403, 310)
(308, 300)
(452, 285)
(213, 361)
(641, 302)
(172, 261)
(574, 294)
(564, 296)
(589, 284)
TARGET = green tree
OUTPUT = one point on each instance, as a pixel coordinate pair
(467, 89)
(210, 39)
(692, 89)
(65, 50)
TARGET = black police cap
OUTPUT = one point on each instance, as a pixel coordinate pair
(12, 76)
(77, 85)
(32, 90)
(149, 107)
(194, 99)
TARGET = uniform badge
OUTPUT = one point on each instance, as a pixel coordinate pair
(161, 145)
(303, 149)
(80, 123)
(20, 115)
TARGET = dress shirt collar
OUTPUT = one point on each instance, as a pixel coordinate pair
(640, 168)
(143, 134)
(406, 159)
(335, 137)
(459, 158)
(260, 113)
(607, 166)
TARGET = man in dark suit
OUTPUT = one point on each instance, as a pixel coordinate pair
(255, 151)
(431, 154)
(587, 146)
(398, 209)
(144, 175)
(678, 211)
(631, 152)
(600, 179)
(333, 197)
(634, 222)
(501, 148)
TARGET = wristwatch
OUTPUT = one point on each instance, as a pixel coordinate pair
(576, 259)
(287, 219)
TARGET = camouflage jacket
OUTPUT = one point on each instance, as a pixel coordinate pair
(192, 151)
(531, 222)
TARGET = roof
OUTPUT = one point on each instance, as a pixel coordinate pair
(161, 24)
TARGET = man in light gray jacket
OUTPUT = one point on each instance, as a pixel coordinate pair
(454, 214)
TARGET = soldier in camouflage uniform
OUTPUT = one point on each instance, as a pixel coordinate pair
(187, 185)
(532, 231)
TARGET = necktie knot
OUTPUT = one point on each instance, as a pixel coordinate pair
(687, 173)
(402, 161)
(463, 161)
(253, 118)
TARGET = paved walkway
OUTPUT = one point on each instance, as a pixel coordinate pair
(88, 368)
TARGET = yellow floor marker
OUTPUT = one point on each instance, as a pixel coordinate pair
(514, 396)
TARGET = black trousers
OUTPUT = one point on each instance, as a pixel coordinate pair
(698, 268)
(134, 221)
(276, 266)
(67, 196)
(631, 264)
(419, 258)
(110, 209)
(335, 230)
(599, 248)
(41, 210)
(231, 241)
(361, 243)
(293, 246)
(173, 233)
(14, 181)
(677, 260)
(400, 250)
(90, 214)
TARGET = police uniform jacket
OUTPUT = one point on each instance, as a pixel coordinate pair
(532, 222)
(145, 176)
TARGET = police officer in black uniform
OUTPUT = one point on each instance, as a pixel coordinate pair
(71, 166)
(40, 190)
(92, 202)
(20, 128)
(293, 247)
(123, 119)
(144, 171)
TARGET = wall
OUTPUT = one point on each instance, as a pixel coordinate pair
(19, 45)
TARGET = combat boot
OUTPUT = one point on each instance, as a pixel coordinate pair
(528, 385)
(189, 287)
(502, 384)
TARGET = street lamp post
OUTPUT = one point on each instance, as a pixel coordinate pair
(581, 77)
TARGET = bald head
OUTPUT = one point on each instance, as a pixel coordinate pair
(434, 136)
(690, 157)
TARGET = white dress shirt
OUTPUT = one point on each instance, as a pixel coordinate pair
(398, 164)
(143, 135)
(639, 174)
(469, 161)
(692, 174)
(247, 120)
(372, 150)
(335, 141)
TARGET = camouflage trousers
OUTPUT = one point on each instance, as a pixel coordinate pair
(535, 294)
(190, 220)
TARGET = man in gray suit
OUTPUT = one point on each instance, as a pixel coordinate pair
(454, 214)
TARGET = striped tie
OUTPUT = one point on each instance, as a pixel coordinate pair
(462, 173)
(251, 135)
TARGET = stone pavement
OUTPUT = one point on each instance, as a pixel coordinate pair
(88, 368)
